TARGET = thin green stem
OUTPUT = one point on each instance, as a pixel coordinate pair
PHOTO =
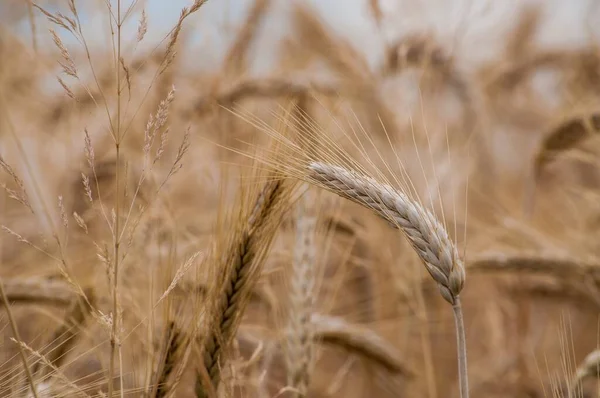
(461, 348)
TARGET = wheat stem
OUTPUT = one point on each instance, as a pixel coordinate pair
(461, 348)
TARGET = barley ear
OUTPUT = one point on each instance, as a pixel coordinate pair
(426, 234)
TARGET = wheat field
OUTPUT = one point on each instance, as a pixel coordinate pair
(270, 206)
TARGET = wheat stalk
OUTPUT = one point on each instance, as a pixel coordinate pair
(427, 236)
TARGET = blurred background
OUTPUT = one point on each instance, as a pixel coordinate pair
(492, 109)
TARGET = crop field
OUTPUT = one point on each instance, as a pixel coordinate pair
(276, 198)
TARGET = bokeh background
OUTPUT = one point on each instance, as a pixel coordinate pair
(492, 108)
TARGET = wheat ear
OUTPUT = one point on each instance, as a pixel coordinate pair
(240, 271)
(17, 337)
(359, 340)
(561, 265)
(299, 331)
(425, 233)
(171, 352)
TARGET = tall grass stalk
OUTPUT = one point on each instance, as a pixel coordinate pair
(117, 235)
